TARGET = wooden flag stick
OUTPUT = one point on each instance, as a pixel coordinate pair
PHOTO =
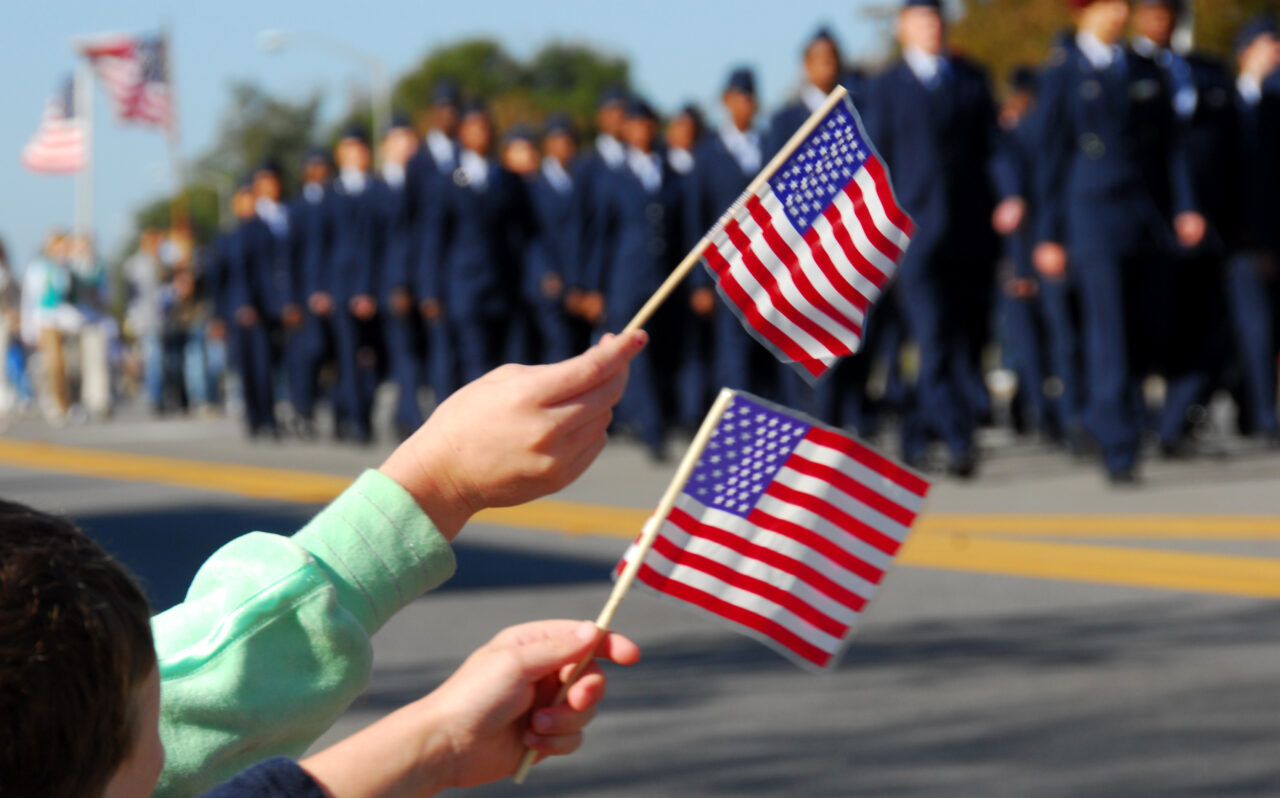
(691, 260)
(641, 548)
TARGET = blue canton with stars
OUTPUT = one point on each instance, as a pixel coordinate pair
(821, 167)
(748, 447)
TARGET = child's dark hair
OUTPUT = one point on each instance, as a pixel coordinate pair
(75, 644)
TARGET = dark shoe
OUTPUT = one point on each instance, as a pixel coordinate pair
(1180, 449)
(1123, 477)
(963, 466)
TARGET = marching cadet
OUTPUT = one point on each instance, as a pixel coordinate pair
(477, 226)
(1203, 105)
(636, 243)
(934, 120)
(309, 343)
(437, 157)
(521, 158)
(1253, 174)
(686, 360)
(727, 161)
(353, 283)
(823, 69)
(1027, 335)
(608, 157)
(243, 290)
(1113, 189)
(395, 240)
(555, 194)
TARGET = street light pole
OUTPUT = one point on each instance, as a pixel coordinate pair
(275, 41)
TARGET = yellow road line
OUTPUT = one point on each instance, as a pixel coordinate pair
(963, 542)
(1114, 565)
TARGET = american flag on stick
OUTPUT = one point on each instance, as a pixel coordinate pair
(59, 144)
(134, 71)
(803, 254)
(811, 244)
(774, 523)
(783, 529)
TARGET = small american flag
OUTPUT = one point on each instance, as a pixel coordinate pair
(802, 258)
(135, 74)
(59, 143)
(784, 529)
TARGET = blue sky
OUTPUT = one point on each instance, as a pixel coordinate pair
(679, 51)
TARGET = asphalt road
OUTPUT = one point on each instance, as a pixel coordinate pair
(1043, 635)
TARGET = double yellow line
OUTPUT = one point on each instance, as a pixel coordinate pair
(996, 544)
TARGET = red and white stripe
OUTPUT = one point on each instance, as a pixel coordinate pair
(806, 296)
(58, 145)
(797, 572)
(115, 61)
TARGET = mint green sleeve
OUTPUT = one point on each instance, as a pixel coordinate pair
(271, 644)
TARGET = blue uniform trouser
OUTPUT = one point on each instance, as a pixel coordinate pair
(1116, 354)
(1023, 333)
(693, 372)
(1062, 339)
(251, 356)
(441, 368)
(1192, 340)
(1249, 301)
(355, 342)
(481, 344)
(641, 405)
(303, 351)
(403, 362)
(551, 323)
(941, 405)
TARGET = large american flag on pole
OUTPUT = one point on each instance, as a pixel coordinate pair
(801, 258)
(134, 72)
(784, 530)
(59, 144)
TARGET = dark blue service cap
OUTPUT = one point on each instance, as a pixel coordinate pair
(520, 132)
(1023, 78)
(614, 95)
(356, 131)
(317, 155)
(473, 107)
(400, 119)
(559, 123)
(269, 165)
(446, 92)
(741, 79)
(692, 111)
(639, 109)
(936, 5)
(823, 34)
(1249, 32)
(245, 183)
(1173, 5)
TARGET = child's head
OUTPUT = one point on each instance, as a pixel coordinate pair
(79, 688)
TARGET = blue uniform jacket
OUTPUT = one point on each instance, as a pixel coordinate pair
(557, 245)
(1111, 162)
(235, 272)
(353, 225)
(716, 182)
(395, 238)
(637, 241)
(474, 243)
(309, 223)
(941, 146)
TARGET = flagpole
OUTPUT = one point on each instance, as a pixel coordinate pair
(638, 552)
(682, 270)
(179, 217)
(82, 88)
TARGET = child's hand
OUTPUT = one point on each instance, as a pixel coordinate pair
(474, 728)
(515, 434)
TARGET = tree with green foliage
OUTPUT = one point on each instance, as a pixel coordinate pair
(1003, 34)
